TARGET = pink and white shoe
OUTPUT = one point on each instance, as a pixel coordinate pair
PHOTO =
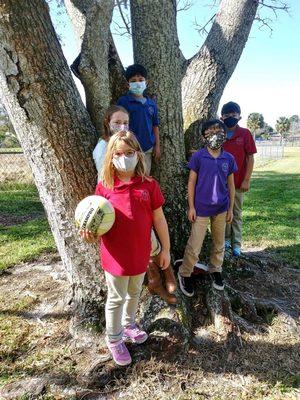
(119, 351)
(134, 333)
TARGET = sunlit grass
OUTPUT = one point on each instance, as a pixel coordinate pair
(272, 207)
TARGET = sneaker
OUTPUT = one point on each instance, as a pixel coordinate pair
(227, 244)
(134, 333)
(236, 252)
(119, 352)
(186, 285)
(217, 280)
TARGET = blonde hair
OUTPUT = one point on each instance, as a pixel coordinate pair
(106, 134)
(108, 170)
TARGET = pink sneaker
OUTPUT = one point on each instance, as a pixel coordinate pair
(119, 352)
(134, 333)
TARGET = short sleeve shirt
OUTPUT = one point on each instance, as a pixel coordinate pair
(142, 118)
(99, 154)
(211, 191)
(125, 248)
(240, 145)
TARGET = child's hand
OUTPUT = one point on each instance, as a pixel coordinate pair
(156, 152)
(245, 185)
(164, 259)
(192, 214)
(229, 216)
(88, 236)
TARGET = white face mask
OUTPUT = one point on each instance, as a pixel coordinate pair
(118, 127)
(124, 163)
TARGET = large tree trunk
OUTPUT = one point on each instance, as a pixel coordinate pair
(210, 69)
(56, 134)
(153, 23)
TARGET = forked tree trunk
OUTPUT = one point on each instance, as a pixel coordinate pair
(56, 135)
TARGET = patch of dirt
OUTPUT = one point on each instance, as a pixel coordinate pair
(10, 220)
(35, 341)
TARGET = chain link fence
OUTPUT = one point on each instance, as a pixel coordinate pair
(269, 150)
(14, 167)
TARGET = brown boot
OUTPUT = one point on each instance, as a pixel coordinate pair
(170, 282)
(155, 285)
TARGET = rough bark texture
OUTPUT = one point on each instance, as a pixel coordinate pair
(96, 16)
(100, 66)
(154, 22)
(56, 135)
(210, 69)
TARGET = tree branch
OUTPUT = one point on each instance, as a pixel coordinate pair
(210, 68)
(202, 29)
(265, 21)
(186, 5)
(125, 21)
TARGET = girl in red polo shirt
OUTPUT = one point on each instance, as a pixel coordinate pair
(125, 248)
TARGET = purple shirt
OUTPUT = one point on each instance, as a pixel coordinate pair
(211, 191)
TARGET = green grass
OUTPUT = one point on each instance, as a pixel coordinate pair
(22, 241)
(272, 207)
(10, 149)
(19, 199)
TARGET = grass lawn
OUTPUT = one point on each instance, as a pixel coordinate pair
(24, 230)
(272, 207)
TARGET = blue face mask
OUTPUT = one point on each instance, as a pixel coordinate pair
(137, 87)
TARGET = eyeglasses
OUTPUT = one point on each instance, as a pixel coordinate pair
(127, 153)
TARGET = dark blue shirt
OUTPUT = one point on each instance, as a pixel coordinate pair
(142, 118)
(211, 191)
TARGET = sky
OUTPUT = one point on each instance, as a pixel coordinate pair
(267, 77)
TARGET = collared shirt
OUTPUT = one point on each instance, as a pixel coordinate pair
(142, 118)
(125, 248)
(240, 145)
(211, 191)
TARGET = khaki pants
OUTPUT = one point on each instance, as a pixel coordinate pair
(122, 301)
(155, 245)
(148, 160)
(233, 231)
(194, 244)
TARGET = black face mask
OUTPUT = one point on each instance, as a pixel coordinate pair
(230, 122)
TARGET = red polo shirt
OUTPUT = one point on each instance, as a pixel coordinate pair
(125, 248)
(241, 145)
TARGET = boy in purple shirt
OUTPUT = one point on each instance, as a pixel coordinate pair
(210, 197)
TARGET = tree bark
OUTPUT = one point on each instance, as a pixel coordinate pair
(101, 70)
(96, 16)
(154, 22)
(210, 69)
(56, 135)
